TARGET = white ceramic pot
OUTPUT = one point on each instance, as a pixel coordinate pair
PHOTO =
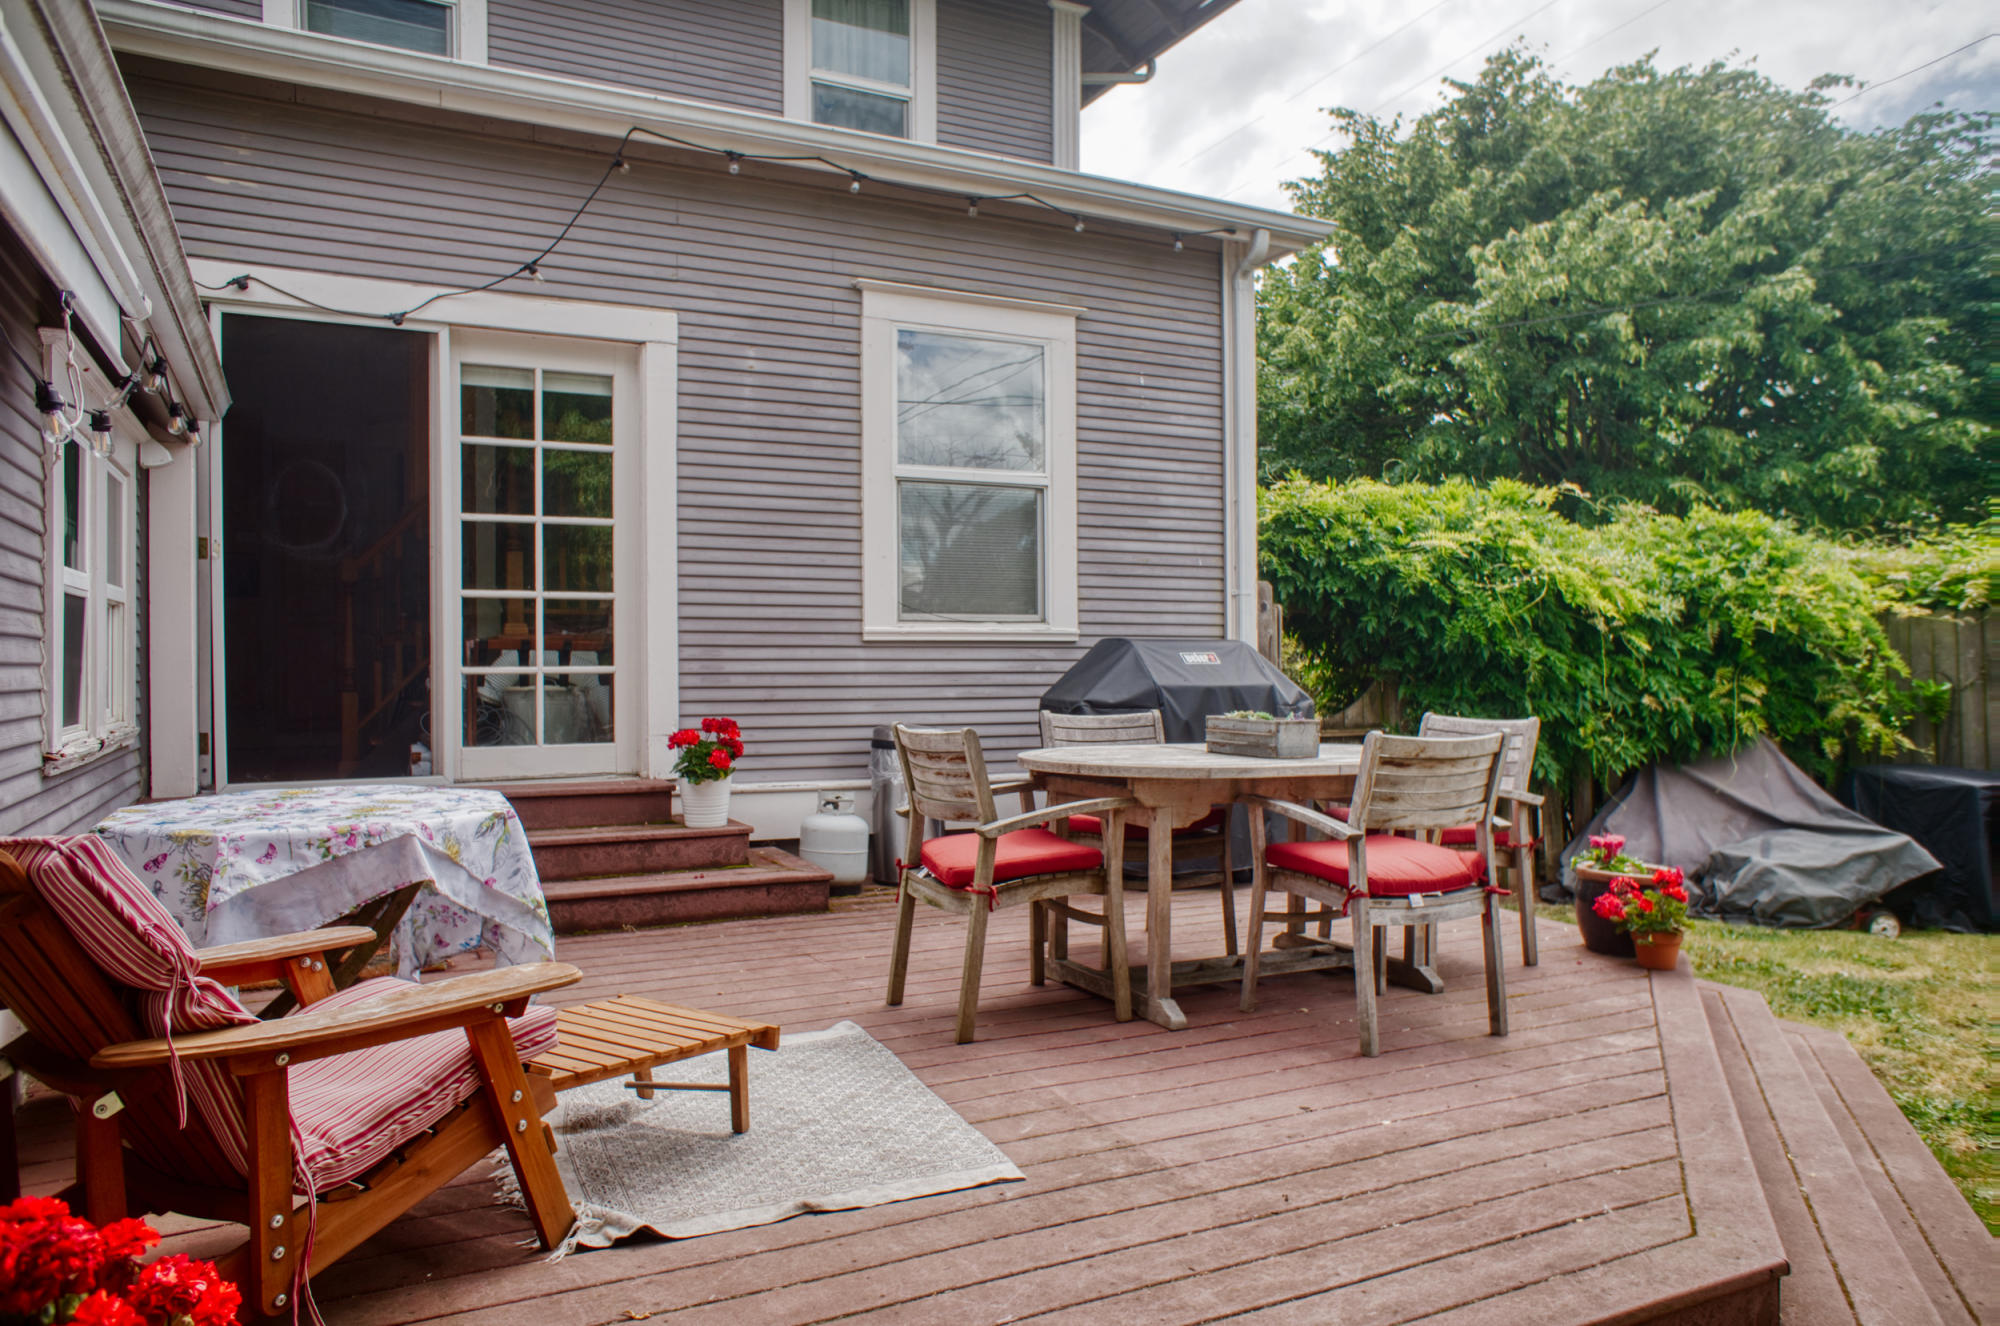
(705, 805)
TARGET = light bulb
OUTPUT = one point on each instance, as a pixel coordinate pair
(536, 272)
(1079, 227)
(855, 187)
(972, 208)
(624, 166)
(1178, 246)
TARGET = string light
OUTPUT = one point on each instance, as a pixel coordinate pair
(66, 418)
(972, 207)
(536, 272)
(735, 163)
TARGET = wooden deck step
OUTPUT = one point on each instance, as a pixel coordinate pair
(588, 851)
(1847, 1264)
(771, 883)
(568, 803)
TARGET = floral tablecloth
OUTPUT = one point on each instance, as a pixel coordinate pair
(245, 865)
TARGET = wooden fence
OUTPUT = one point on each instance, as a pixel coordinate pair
(1959, 652)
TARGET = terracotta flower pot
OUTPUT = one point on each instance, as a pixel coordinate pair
(1600, 935)
(1658, 951)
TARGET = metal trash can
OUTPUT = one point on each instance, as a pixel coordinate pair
(890, 830)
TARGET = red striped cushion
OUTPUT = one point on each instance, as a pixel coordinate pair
(1092, 827)
(353, 1109)
(1397, 867)
(953, 859)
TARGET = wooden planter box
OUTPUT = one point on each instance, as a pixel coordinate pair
(1264, 738)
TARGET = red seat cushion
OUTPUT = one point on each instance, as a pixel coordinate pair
(1093, 827)
(1397, 867)
(1503, 839)
(952, 859)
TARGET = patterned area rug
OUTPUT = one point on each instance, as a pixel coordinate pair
(836, 1122)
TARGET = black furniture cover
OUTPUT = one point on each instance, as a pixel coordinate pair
(1758, 840)
(1955, 814)
(1186, 680)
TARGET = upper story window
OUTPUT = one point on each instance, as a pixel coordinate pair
(455, 29)
(862, 64)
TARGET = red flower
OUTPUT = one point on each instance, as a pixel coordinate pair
(1669, 875)
(719, 759)
(734, 745)
(1674, 891)
(687, 736)
(179, 1286)
(128, 1237)
(101, 1309)
(1643, 903)
(1609, 906)
(1624, 887)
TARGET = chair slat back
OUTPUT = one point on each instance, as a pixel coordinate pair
(1419, 783)
(1102, 729)
(945, 773)
(1517, 759)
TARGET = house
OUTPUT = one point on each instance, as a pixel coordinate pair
(596, 367)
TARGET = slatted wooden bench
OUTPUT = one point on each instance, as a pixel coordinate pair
(627, 1034)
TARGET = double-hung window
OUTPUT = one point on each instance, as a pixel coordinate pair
(969, 465)
(452, 28)
(862, 64)
(91, 650)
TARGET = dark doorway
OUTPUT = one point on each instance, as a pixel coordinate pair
(326, 549)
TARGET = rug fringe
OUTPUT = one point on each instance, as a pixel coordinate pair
(507, 1191)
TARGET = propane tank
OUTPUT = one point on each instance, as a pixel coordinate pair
(835, 838)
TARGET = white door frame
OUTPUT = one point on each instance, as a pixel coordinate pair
(652, 621)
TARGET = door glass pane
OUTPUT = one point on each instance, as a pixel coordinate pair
(114, 531)
(576, 710)
(576, 633)
(76, 611)
(848, 108)
(970, 551)
(413, 25)
(496, 402)
(576, 483)
(498, 480)
(863, 38)
(576, 557)
(576, 407)
(969, 403)
(72, 469)
(498, 632)
(497, 556)
(499, 711)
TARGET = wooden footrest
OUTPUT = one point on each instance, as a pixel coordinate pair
(629, 1035)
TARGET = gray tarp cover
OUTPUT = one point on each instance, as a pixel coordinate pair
(1758, 838)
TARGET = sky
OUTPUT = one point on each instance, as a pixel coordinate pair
(1234, 107)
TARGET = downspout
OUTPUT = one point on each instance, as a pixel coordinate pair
(1142, 75)
(1239, 390)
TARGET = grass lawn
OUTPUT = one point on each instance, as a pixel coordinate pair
(1921, 1010)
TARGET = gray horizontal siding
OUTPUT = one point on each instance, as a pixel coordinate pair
(731, 53)
(760, 269)
(235, 8)
(29, 802)
(994, 74)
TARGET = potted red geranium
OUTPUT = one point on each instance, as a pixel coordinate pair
(57, 1267)
(1595, 868)
(708, 756)
(1654, 916)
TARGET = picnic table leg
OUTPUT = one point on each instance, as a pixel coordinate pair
(1160, 1006)
(382, 916)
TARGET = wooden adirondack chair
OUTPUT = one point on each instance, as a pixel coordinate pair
(1362, 869)
(313, 1130)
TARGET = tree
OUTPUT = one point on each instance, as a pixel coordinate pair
(1682, 288)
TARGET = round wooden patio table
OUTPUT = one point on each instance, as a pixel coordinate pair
(1175, 785)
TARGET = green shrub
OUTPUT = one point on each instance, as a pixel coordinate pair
(1646, 637)
(1950, 572)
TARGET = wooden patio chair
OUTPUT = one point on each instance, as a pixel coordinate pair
(999, 863)
(1515, 845)
(1364, 870)
(1207, 836)
(313, 1130)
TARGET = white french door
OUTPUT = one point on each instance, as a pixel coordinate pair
(543, 475)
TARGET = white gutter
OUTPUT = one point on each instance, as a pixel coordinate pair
(1239, 431)
(241, 46)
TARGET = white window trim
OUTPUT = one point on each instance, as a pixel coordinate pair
(887, 306)
(468, 27)
(923, 68)
(108, 721)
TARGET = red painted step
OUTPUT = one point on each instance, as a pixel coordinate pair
(570, 803)
(636, 849)
(773, 882)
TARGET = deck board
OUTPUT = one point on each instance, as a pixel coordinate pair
(1254, 1163)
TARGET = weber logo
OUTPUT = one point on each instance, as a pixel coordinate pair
(1202, 656)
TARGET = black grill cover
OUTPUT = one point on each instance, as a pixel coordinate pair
(1186, 680)
(1955, 814)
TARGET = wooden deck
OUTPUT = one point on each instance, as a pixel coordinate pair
(1588, 1167)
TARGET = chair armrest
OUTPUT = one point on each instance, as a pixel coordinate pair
(1341, 830)
(1096, 806)
(1521, 797)
(223, 959)
(416, 1010)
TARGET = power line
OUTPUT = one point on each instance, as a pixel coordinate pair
(1578, 50)
(1294, 96)
(1907, 72)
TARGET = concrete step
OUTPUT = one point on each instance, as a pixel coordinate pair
(1847, 1265)
(771, 883)
(569, 803)
(590, 851)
